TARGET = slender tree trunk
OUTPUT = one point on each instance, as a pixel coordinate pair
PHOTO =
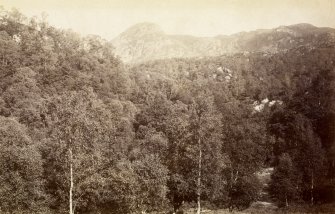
(199, 177)
(312, 188)
(286, 201)
(71, 184)
(331, 170)
(231, 178)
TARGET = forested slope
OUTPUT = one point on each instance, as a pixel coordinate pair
(154, 136)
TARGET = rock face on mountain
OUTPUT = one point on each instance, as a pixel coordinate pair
(146, 41)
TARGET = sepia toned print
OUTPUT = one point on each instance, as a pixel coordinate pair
(217, 106)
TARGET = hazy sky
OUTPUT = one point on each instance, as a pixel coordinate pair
(108, 18)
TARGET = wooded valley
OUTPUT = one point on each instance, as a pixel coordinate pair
(83, 132)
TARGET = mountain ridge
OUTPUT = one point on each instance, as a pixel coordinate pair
(147, 41)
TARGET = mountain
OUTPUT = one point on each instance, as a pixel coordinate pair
(147, 41)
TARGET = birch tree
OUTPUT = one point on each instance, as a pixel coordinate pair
(205, 128)
(75, 145)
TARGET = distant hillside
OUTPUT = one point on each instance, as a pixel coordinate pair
(146, 41)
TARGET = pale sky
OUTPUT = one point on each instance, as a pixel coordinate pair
(108, 18)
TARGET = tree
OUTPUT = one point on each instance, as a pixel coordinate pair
(24, 98)
(295, 136)
(244, 191)
(205, 129)
(9, 54)
(22, 185)
(152, 178)
(75, 144)
(178, 163)
(285, 180)
(246, 145)
(99, 137)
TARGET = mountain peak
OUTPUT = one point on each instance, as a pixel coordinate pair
(143, 28)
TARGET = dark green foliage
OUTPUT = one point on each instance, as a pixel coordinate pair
(21, 169)
(136, 131)
(285, 181)
(244, 192)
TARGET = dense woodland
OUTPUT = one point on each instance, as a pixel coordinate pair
(84, 132)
